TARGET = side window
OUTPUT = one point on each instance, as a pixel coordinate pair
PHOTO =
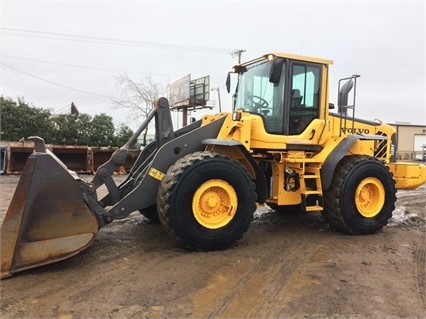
(305, 93)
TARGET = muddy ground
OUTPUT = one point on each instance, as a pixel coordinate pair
(286, 266)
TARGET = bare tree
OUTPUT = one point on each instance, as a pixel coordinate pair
(138, 97)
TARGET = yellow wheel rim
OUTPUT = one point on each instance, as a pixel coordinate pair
(214, 204)
(370, 197)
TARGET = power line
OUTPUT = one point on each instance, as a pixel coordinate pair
(61, 109)
(57, 84)
(95, 68)
(114, 41)
(80, 66)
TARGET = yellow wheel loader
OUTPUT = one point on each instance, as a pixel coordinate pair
(284, 144)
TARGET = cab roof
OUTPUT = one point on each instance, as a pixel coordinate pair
(289, 56)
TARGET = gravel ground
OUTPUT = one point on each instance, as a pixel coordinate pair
(286, 266)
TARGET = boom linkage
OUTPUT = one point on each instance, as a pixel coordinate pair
(164, 133)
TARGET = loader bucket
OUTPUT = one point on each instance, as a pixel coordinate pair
(47, 219)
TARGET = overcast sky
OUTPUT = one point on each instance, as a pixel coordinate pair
(51, 51)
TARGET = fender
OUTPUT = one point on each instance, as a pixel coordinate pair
(334, 158)
(259, 178)
(338, 153)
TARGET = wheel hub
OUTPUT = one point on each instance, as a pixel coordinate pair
(370, 197)
(214, 203)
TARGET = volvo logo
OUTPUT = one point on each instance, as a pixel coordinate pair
(355, 130)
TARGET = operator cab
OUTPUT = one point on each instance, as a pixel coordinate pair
(284, 90)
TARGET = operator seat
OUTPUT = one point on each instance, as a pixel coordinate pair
(296, 124)
(296, 98)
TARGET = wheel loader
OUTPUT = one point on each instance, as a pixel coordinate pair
(283, 145)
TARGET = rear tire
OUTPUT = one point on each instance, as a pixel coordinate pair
(206, 201)
(362, 196)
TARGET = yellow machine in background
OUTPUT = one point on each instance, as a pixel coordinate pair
(281, 146)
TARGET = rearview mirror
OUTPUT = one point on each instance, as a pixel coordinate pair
(228, 82)
(276, 70)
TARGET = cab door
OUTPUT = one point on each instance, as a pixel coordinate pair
(304, 93)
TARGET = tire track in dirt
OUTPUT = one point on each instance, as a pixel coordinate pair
(265, 280)
(420, 271)
(279, 283)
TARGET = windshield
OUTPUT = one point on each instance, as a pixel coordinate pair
(256, 94)
(254, 91)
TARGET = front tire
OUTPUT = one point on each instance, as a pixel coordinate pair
(206, 201)
(362, 196)
(151, 213)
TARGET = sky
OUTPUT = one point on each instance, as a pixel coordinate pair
(53, 53)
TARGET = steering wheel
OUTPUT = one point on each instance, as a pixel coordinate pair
(260, 104)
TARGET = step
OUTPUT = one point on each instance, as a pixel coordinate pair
(314, 208)
(313, 192)
(310, 176)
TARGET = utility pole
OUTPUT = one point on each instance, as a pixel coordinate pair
(237, 53)
(218, 94)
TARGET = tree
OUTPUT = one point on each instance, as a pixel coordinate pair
(83, 128)
(20, 120)
(138, 97)
(72, 129)
(122, 135)
(66, 131)
(102, 130)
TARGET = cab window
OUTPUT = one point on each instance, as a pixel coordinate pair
(305, 95)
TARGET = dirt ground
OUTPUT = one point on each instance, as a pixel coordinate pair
(286, 266)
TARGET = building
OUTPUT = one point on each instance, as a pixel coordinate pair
(411, 144)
